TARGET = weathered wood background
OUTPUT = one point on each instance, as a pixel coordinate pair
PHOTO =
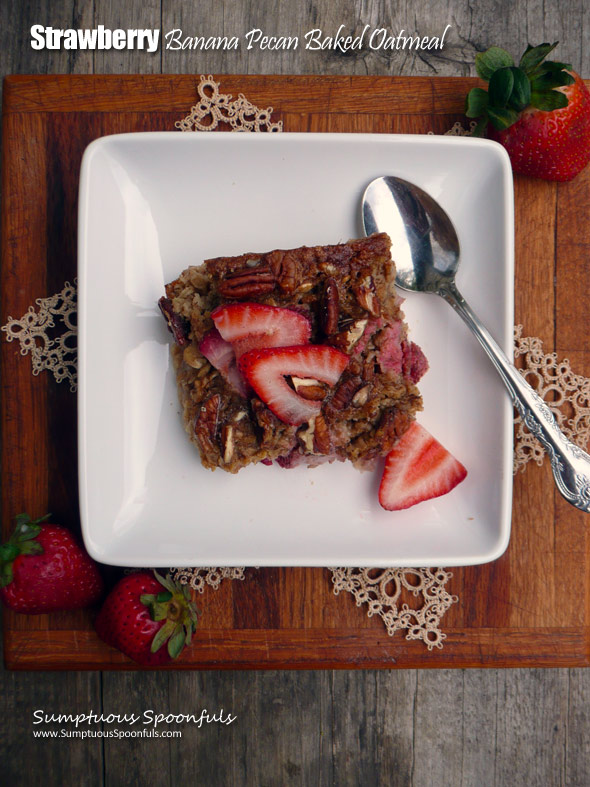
(475, 727)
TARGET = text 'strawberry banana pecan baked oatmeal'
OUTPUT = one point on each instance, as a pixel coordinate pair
(298, 356)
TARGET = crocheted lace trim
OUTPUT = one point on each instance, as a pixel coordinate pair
(49, 335)
(567, 395)
(215, 108)
(199, 578)
(409, 599)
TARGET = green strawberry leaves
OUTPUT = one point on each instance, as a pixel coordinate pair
(549, 101)
(8, 552)
(163, 635)
(513, 88)
(502, 117)
(176, 642)
(551, 79)
(174, 606)
(520, 95)
(501, 85)
(486, 63)
(509, 89)
(21, 542)
(534, 56)
(477, 102)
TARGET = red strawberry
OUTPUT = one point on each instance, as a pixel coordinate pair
(143, 612)
(539, 111)
(44, 569)
(249, 326)
(417, 469)
(221, 355)
(265, 370)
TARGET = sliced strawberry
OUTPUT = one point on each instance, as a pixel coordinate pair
(221, 355)
(265, 370)
(417, 469)
(217, 351)
(249, 326)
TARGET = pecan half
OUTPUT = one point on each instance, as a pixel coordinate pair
(207, 423)
(248, 283)
(178, 325)
(393, 424)
(322, 441)
(315, 436)
(288, 274)
(347, 339)
(366, 295)
(368, 371)
(265, 422)
(345, 392)
(329, 307)
(308, 388)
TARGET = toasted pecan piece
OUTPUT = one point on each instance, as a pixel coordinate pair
(322, 440)
(329, 310)
(366, 295)
(348, 337)
(248, 283)
(344, 393)
(207, 423)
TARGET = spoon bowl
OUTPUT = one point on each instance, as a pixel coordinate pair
(426, 251)
(425, 241)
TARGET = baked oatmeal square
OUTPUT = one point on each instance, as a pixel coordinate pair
(296, 356)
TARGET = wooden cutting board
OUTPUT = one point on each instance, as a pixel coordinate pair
(529, 608)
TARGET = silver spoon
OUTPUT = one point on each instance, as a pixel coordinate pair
(426, 253)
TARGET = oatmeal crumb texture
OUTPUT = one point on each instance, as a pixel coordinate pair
(346, 292)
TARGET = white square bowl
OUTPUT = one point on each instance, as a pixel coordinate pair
(153, 203)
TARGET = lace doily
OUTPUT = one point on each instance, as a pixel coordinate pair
(49, 335)
(567, 395)
(457, 130)
(199, 578)
(214, 108)
(413, 600)
(382, 589)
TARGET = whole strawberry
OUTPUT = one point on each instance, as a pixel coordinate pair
(145, 612)
(539, 111)
(44, 569)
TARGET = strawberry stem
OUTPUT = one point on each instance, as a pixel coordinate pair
(514, 88)
(21, 542)
(173, 605)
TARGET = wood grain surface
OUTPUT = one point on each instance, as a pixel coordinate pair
(515, 611)
(389, 727)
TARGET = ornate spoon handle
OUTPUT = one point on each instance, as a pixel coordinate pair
(570, 465)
